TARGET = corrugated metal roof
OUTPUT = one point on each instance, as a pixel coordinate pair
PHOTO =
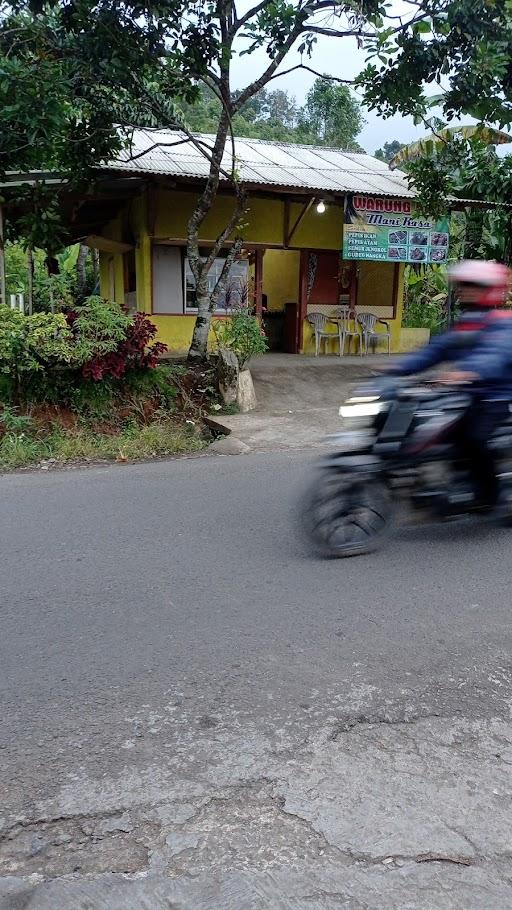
(272, 164)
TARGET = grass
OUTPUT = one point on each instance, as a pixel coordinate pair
(158, 439)
(146, 414)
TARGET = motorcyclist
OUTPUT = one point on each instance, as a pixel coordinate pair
(479, 350)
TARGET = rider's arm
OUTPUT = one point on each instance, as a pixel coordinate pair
(421, 360)
(491, 358)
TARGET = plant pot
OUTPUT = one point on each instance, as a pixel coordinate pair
(246, 396)
(227, 376)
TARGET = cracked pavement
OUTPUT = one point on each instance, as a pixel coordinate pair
(197, 714)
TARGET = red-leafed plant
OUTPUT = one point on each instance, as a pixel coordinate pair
(109, 342)
(137, 351)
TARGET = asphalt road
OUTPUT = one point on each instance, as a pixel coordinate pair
(192, 701)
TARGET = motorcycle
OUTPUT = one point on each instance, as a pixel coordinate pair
(397, 443)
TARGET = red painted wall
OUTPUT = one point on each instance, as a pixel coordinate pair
(325, 289)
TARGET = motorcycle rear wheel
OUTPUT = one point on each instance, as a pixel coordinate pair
(344, 516)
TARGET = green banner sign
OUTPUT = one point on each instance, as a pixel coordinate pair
(388, 230)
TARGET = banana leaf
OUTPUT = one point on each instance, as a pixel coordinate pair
(426, 146)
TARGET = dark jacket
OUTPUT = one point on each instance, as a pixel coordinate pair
(486, 352)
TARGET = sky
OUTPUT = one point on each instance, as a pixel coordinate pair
(340, 57)
(336, 57)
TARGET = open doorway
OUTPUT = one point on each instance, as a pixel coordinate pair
(281, 275)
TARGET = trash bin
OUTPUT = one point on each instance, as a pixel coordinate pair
(273, 323)
(291, 328)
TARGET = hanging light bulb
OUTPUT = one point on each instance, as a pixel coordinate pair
(321, 207)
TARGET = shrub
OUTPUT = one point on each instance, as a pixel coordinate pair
(241, 333)
(425, 298)
(48, 355)
(98, 326)
(158, 384)
(30, 345)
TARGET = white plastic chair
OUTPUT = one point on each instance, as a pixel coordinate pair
(348, 327)
(319, 321)
(368, 321)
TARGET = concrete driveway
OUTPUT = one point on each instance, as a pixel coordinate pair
(298, 399)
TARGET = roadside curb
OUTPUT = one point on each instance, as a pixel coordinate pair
(221, 429)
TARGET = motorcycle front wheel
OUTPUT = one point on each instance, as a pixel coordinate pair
(346, 516)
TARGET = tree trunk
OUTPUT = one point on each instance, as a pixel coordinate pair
(206, 302)
(3, 289)
(30, 280)
(229, 25)
(199, 344)
(80, 270)
(96, 269)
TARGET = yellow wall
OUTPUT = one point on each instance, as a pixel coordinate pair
(104, 279)
(320, 232)
(375, 294)
(330, 347)
(281, 277)
(176, 332)
(264, 222)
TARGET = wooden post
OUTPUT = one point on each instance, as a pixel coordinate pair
(3, 291)
(258, 281)
(352, 291)
(286, 222)
(396, 283)
(302, 309)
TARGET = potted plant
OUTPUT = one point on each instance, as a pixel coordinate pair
(243, 336)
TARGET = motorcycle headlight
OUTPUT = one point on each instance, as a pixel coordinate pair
(361, 407)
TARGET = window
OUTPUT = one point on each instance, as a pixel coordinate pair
(237, 288)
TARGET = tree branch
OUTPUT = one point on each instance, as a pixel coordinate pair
(205, 150)
(258, 84)
(219, 96)
(335, 33)
(206, 198)
(309, 69)
(239, 23)
(157, 145)
(210, 75)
